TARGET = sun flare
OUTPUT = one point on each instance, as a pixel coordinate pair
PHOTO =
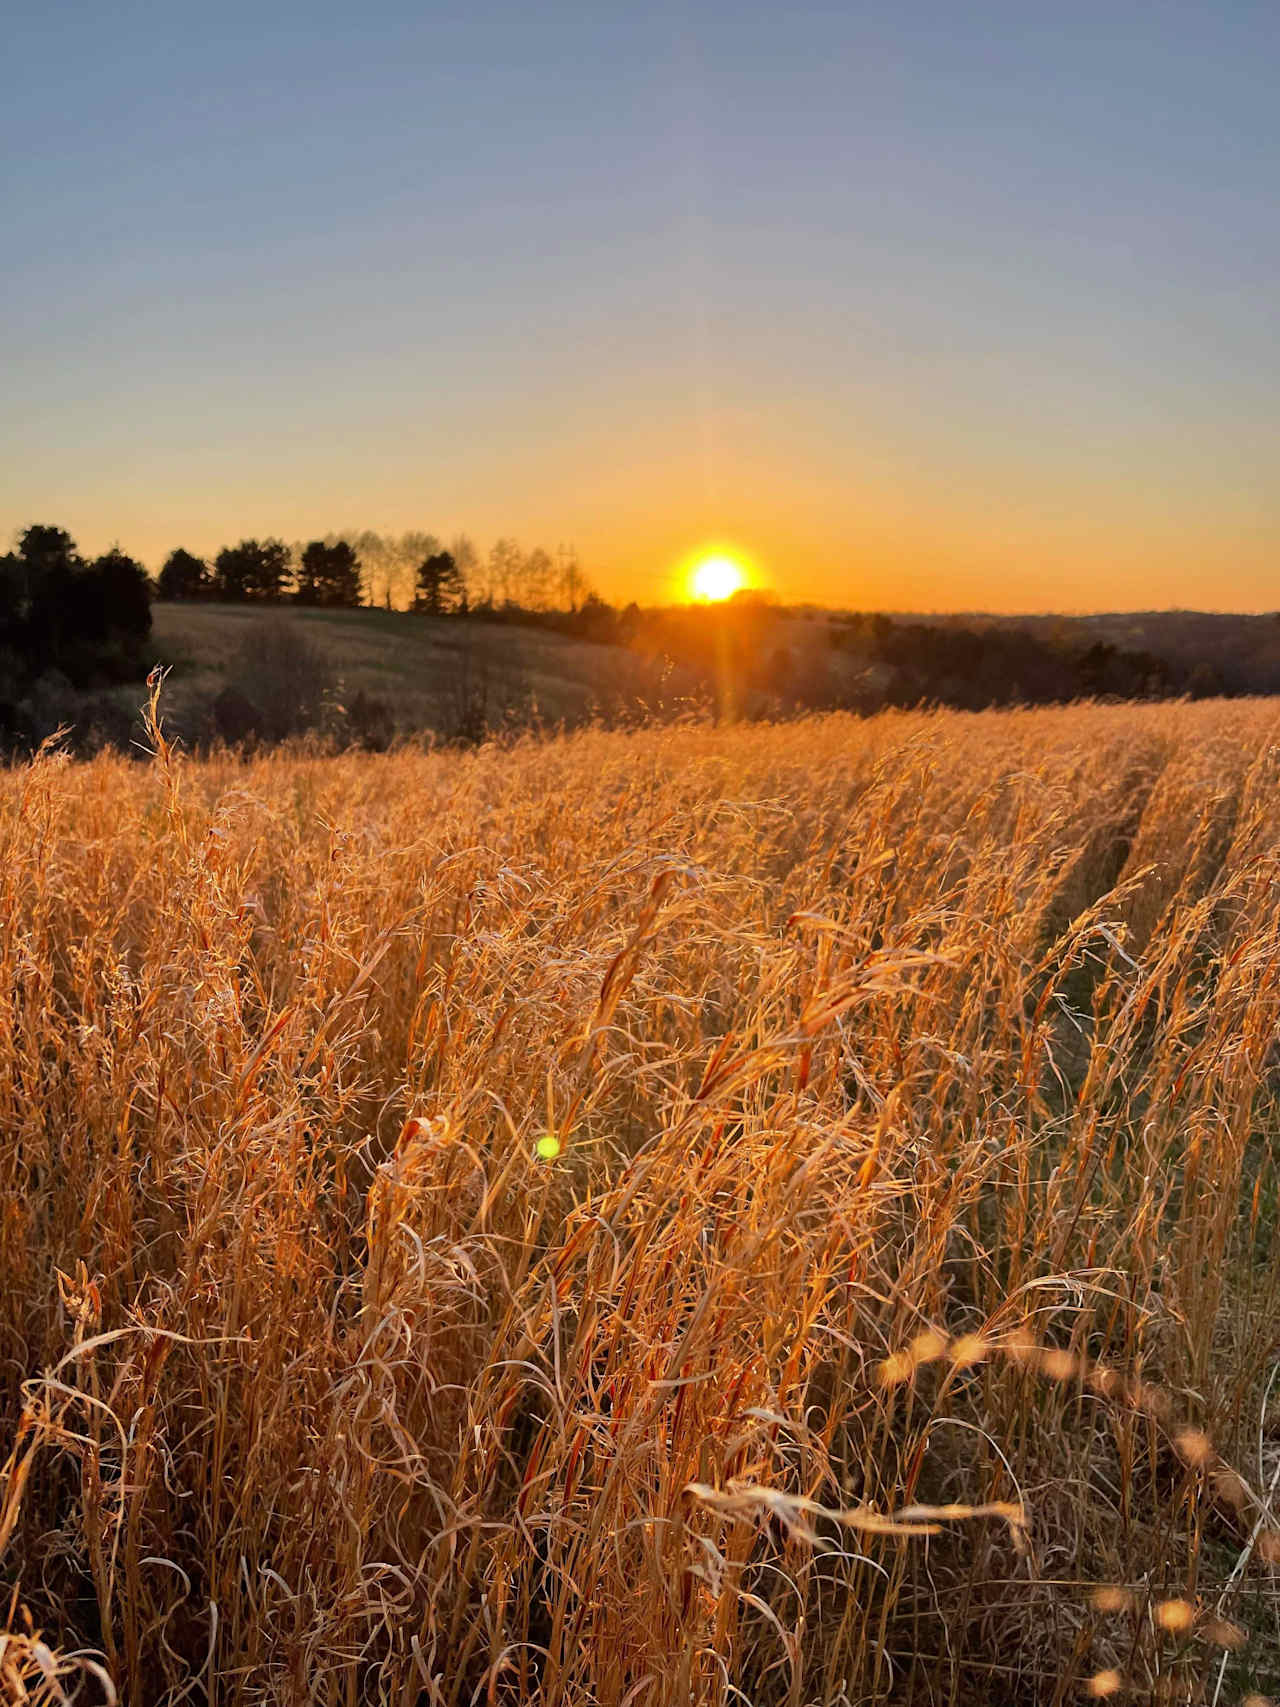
(716, 578)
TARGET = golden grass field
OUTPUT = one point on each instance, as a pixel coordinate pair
(765, 1214)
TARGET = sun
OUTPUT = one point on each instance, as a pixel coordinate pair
(716, 578)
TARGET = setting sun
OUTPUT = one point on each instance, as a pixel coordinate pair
(716, 578)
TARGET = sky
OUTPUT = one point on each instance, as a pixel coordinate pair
(924, 306)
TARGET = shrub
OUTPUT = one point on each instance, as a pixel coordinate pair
(283, 676)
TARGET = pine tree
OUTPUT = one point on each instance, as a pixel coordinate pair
(329, 574)
(440, 585)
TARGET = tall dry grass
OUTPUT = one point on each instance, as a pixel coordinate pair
(774, 1214)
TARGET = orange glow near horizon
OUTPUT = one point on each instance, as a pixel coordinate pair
(875, 536)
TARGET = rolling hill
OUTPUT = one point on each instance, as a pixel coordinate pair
(416, 665)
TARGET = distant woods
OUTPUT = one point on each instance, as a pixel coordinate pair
(409, 571)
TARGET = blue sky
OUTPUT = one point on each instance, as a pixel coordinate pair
(930, 305)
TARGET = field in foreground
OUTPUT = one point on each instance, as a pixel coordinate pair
(772, 1214)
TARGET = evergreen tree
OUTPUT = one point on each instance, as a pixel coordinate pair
(329, 574)
(184, 576)
(440, 585)
(123, 594)
(49, 566)
(59, 613)
(255, 570)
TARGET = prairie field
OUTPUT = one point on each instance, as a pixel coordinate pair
(773, 1214)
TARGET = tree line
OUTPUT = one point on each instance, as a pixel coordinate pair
(972, 669)
(415, 570)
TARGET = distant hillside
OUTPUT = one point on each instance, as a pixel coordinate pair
(1231, 653)
(418, 667)
(256, 672)
(459, 676)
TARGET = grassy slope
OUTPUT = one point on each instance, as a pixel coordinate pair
(407, 660)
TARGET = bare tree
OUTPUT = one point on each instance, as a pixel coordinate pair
(503, 576)
(536, 580)
(571, 583)
(465, 555)
(390, 563)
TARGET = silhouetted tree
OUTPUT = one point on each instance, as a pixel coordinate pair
(255, 570)
(535, 581)
(13, 651)
(596, 620)
(502, 577)
(48, 568)
(462, 550)
(571, 586)
(124, 589)
(440, 585)
(47, 550)
(13, 597)
(184, 576)
(61, 614)
(390, 562)
(329, 574)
